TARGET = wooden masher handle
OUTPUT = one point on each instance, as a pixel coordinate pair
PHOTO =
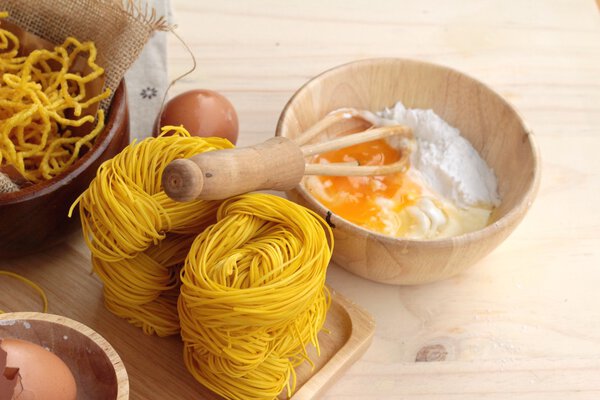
(276, 164)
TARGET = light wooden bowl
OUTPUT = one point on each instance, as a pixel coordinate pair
(97, 368)
(35, 217)
(491, 124)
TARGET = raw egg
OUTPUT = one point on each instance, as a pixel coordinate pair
(399, 205)
(202, 112)
(37, 373)
(359, 198)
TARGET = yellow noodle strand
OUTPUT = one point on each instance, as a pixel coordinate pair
(137, 235)
(253, 296)
(247, 293)
(40, 102)
(31, 283)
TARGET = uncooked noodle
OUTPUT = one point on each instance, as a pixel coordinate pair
(42, 100)
(253, 296)
(138, 236)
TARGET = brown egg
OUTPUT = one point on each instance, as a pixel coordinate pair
(203, 113)
(42, 374)
(8, 378)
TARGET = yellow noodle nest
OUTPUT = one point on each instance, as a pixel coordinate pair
(247, 293)
(41, 100)
(253, 295)
(138, 236)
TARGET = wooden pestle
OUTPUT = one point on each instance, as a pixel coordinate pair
(276, 164)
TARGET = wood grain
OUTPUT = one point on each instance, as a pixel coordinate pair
(350, 332)
(276, 164)
(523, 323)
(531, 301)
(151, 361)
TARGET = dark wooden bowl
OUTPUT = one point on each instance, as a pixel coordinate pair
(97, 368)
(35, 218)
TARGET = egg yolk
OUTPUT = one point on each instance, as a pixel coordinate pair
(362, 199)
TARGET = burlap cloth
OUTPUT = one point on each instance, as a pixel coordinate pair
(121, 29)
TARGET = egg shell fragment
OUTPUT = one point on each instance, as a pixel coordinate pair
(42, 374)
(8, 378)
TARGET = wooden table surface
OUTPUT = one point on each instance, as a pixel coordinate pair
(524, 323)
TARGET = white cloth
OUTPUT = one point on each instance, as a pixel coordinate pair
(148, 78)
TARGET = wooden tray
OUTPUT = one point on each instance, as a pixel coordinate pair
(155, 365)
(350, 333)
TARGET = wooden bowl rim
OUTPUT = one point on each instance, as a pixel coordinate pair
(116, 118)
(107, 349)
(512, 216)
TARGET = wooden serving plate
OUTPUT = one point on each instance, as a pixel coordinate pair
(347, 335)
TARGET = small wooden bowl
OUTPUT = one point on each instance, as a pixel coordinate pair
(492, 125)
(97, 368)
(35, 217)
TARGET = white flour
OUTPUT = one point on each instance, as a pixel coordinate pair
(447, 162)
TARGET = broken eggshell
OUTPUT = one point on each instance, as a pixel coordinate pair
(34, 372)
(98, 370)
(8, 377)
